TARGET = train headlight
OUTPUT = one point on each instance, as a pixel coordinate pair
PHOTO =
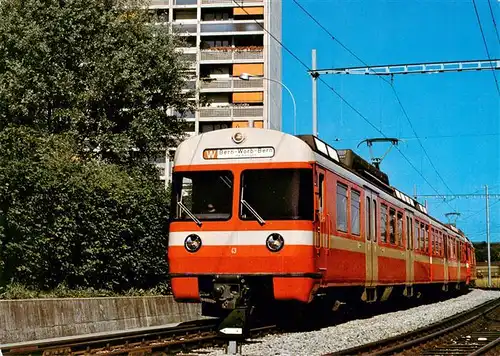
(275, 242)
(192, 243)
(238, 137)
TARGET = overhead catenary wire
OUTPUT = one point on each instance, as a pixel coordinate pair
(386, 81)
(338, 95)
(431, 137)
(478, 211)
(494, 22)
(485, 44)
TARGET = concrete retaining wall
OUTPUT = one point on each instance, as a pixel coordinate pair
(35, 319)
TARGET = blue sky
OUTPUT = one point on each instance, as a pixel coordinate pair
(455, 115)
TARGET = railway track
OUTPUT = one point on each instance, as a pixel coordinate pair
(473, 332)
(170, 340)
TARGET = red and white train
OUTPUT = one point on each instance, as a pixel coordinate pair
(261, 216)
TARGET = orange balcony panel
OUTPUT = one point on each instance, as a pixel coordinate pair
(258, 124)
(250, 68)
(255, 10)
(248, 97)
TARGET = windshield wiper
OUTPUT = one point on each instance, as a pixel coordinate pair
(254, 213)
(189, 213)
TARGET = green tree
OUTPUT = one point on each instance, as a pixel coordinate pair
(98, 69)
(82, 223)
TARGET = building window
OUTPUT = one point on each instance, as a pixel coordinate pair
(341, 207)
(212, 126)
(355, 206)
(215, 16)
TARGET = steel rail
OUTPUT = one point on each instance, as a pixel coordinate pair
(397, 343)
(110, 339)
(486, 347)
(137, 340)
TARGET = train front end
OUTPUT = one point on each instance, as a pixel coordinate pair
(242, 220)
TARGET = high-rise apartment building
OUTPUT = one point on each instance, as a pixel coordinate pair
(223, 41)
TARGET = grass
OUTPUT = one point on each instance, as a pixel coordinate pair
(483, 282)
(19, 291)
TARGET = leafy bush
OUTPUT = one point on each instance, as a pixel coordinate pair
(84, 224)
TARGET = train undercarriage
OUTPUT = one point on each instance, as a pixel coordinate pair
(242, 300)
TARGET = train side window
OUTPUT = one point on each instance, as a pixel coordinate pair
(355, 207)
(424, 236)
(400, 229)
(408, 238)
(434, 242)
(368, 219)
(383, 223)
(441, 247)
(341, 207)
(446, 246)
(374, 220)
(392, 226)
(418, 240)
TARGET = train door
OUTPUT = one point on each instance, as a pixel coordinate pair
(322, 221)
(371, 247)
(410, 248)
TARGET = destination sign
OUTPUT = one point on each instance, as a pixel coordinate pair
(247, 152)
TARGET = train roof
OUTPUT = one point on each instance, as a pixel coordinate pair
(242, 145)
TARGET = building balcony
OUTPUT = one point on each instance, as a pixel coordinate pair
(231, 27)
(189, 85)
(231, 112)
(231, 55)
(231, 2)
(185, 2)
(183, 28)
(229, 85)
(159, 4)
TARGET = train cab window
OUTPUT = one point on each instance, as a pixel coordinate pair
(355, 207)
(205, 195)
(341, 207)
(383, 223)
(277, 194)
(399, 239)
(392, 226)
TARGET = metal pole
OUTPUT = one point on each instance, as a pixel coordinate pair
(488, 236)
(314, 97)
(293, 101)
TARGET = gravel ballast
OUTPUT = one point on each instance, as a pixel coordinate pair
(358, 332)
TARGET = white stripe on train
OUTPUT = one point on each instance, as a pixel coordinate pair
(242, 238)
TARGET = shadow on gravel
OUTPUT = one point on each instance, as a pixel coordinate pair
(299, 319)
